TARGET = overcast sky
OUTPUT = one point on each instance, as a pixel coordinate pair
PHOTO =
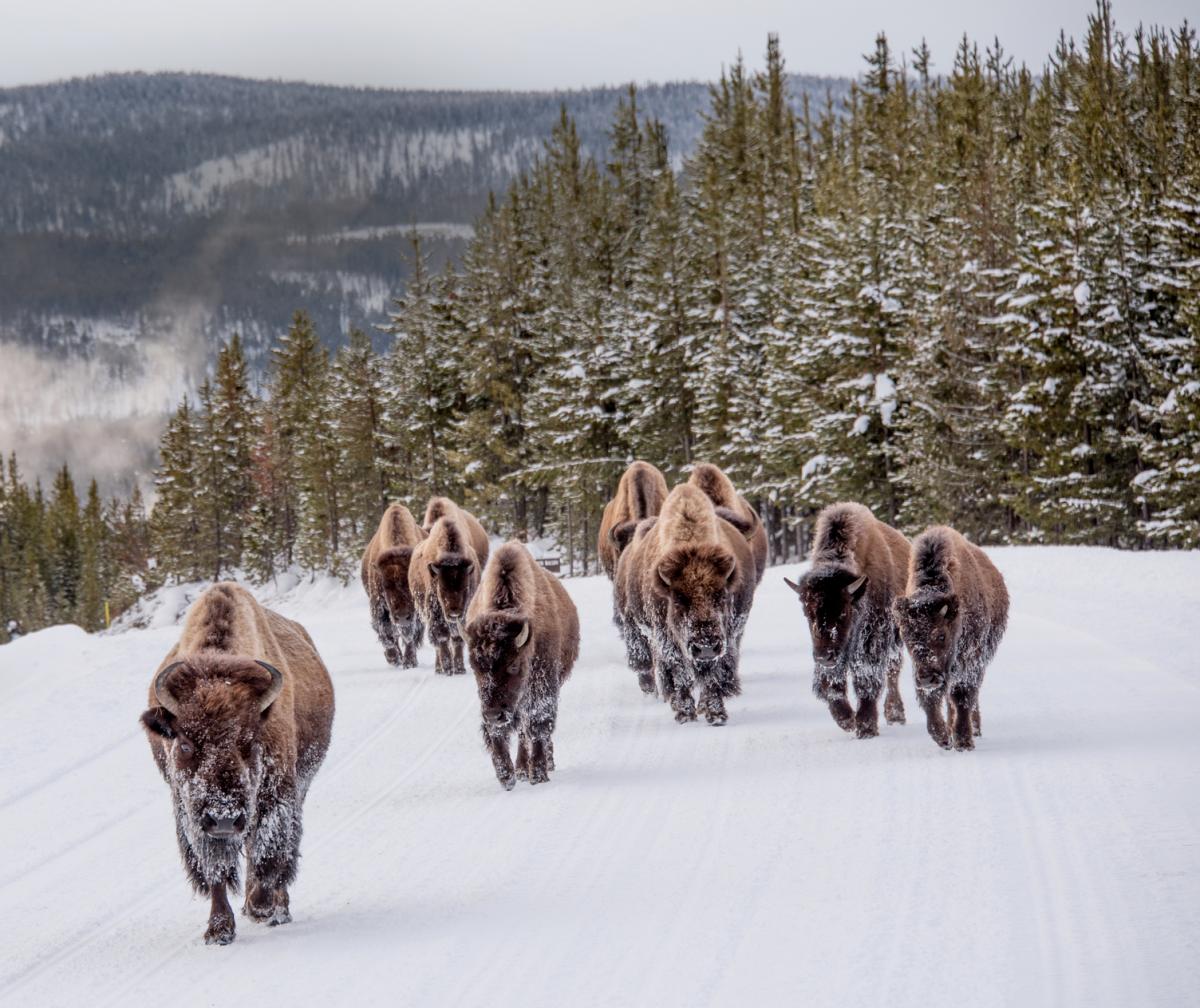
(530, 44)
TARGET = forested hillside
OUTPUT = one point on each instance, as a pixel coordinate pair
(970, 298)
(198, 205)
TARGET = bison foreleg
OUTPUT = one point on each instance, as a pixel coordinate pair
(459, 667)
(932, 696)
(273, 855)
(893, 703)
(497, 743)
(866, 688)
(641, 661)
(522, 767)
(832, 689)
(220, 918)
(964, 700)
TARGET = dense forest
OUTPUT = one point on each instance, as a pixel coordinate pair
(970, 297)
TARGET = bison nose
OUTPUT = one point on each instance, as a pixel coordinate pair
(705, 652)
(496, 716)
(223, 827)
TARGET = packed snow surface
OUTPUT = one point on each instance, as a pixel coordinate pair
(776, 860)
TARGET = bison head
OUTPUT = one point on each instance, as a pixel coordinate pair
(831, 597)
(393, 567)
(929, 626)
(210, 713)
(498, 643)
(698, 583)
(455, 578)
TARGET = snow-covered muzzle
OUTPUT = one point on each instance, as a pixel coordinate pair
(832, 601)
(930, 627)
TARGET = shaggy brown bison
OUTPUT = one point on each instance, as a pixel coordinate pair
(523, 633)
(440, 507)
(735, 509)
(239, 721)
(684, 588)
(858, 567)
(640, 494)
(385, 578)
(443, 576)
(951, 617)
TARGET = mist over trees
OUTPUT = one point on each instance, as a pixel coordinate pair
(969, 297)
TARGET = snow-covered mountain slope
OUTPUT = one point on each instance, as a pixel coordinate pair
(772, 861)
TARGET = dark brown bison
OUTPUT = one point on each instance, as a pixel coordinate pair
(239, 721)
(858, 567)
(951, 617)
(385, 566)
(640, 494)
(523, 634)
(443, 576)
(684, 587)
(735, 509)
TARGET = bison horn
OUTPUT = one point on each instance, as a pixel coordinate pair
(274, 689)
(854, 586)
(522, 637)
(792, 584)
(945, 609)
(162, 692)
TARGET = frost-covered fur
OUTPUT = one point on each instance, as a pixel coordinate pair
(684, 587)
(523, 634)
(735, 509)
(443, 576)
(238, 773)
(858, 567)
(952, 617)
(640, 495)
(385, 566)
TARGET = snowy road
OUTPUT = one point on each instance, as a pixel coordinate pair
(775, 860)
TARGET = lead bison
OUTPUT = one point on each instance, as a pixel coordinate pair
(859, 565)
(640, 495)
(443, 576)
(952, 617)
(735, 509)
(523, 634)
(385, 566)
(239, 721)
(684, 588)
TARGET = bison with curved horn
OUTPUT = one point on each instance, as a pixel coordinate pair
(239, 720)
(952, 617)
(443, 576)
(385, 566)
(684, 588)
(858, 567)
(523, 633)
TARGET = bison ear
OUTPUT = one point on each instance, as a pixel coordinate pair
(159, 721)
(855, 589)
(795, 587)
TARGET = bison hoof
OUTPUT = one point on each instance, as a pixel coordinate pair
(964, 744)
(392, 656)
(866, 730)
(220, 932)
(894, 715)
(507, 781)
(684, 716)
(941, 738)
(716, 718)
(522, 774)
(539, 776)
(646, 682)
(280, 916)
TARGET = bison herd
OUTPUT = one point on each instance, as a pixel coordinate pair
(240, 710)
